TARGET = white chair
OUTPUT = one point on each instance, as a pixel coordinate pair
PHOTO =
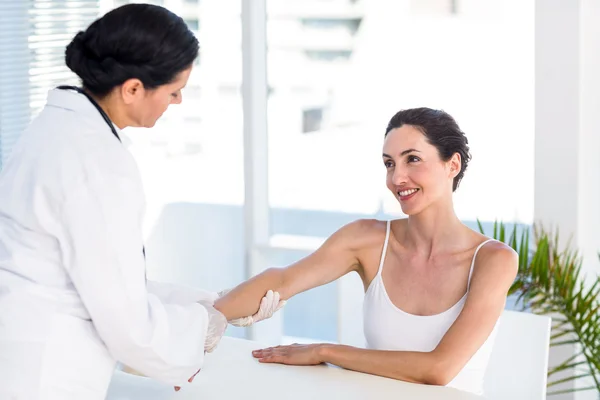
(518, 364)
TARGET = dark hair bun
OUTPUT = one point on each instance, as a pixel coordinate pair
(88, 66)
(140, 41)
(74, 53)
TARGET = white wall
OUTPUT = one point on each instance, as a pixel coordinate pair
(567, 166)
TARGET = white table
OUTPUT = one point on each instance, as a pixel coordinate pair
(232, 373)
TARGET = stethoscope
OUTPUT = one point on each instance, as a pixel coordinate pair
(95, 104)
(104, 116)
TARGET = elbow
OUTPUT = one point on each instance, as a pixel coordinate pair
(437, 378)
(440, 372)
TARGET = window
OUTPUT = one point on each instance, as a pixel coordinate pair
(118, 3)
(193, 24)
(311, 120)
(326, 77)
(328, 55)
(33, 36)
(434, 7)
(350, 25)
(321, 181)
(310, 49)
(191, 163)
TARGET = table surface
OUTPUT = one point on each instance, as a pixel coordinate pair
(232, 373)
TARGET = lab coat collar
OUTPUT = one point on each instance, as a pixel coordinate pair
(71, 100)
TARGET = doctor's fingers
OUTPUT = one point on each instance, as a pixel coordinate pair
(274, 303)
(193, 376)
(178, 388)
(216, 330)
(269, 304)
(216, 320)
(265, 306)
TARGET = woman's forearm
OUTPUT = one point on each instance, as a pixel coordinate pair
(409, 366)
(245, 298)
(335, 258)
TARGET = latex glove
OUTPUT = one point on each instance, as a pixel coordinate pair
(217, 324)
(269, 305)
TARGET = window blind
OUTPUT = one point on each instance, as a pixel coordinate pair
(33, 37)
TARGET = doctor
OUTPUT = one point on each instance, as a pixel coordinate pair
(74, 298)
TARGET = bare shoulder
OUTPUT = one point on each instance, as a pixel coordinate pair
(361, 234)
(363, 229)
(497, 261)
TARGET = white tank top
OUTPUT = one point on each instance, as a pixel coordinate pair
(387, 327)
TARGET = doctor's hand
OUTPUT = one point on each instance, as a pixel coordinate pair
(177, 388)
(217, 324)
(269, 305)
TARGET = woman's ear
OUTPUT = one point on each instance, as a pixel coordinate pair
(132, 90)
(455, 165)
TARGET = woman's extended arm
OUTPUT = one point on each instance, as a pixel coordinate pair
(485, 302)
(409, 366)
(335, 258)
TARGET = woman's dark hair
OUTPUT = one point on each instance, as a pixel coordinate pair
(441, 131)
(140, 41)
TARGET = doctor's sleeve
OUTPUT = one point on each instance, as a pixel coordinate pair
(101, 246)
(180, 294)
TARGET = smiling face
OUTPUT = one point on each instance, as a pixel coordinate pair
(416, 174)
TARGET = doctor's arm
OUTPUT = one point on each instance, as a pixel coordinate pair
(485, 302)
(101, 244)
(180, 294)
(335, 258)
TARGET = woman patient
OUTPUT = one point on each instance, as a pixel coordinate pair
(434, 288)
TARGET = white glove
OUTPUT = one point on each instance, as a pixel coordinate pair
(269, 305)
(217, 324)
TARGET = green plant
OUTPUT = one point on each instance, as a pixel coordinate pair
(549, 282)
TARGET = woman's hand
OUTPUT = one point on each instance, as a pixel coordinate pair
(295, 354)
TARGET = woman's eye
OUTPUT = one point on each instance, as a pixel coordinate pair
(413, 159)
(388, 164)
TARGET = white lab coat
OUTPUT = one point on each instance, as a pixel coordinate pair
(73, 292)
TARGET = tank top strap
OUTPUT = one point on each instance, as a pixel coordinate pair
(385, 245)
(473, 261)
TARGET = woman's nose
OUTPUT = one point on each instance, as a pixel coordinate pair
(399, 176)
